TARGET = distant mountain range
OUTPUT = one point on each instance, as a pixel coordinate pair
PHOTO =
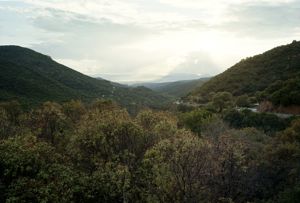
(175, 77)
(175, 89)
(171, 77)
(32, 78)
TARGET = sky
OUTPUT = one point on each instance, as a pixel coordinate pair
(144, 40)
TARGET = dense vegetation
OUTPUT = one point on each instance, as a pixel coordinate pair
(72, 152)
(33, 78)
(283, 93)
(259, 73)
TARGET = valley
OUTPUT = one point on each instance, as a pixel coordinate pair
(68, 137)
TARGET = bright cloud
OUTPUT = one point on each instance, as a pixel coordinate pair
(135, 40)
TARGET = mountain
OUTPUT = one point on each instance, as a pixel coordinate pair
(175, 89)
(174, 77)
(257, 73)
(32, 78)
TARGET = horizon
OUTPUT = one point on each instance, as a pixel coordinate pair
(142, 41)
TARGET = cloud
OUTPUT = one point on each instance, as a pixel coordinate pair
(105, 46)
(83, 39)
(117, 11)
(142, 39)
(217, 4)
(265, 21)
(82, 65)
(88, 30)
(200, 63)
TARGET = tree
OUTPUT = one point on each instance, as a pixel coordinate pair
(104, 105)
(282, 161)
(269, 123)
(178, 170)
(31, 171)
(13, 110)
(195, 120)
(222, 100)
(5, 125)
(104, 136)
(242, 101)
(100, 153)
(74, 110)
(156, 126)
(110, 182)
(49, 122)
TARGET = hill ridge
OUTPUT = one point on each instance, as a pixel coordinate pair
(32, 77)
(255, 73)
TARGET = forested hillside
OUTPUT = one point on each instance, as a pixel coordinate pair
(33, 78)
(278, 66)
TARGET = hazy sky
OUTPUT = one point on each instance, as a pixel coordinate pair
(135, 40)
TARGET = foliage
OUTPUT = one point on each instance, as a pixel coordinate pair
(269, 123)
(74, 110)
(98, 152)
(222, 100)
(37, 78)
(242, 101)
(283, 160)
(257, 73)
(177, 169)
(31, 171)
(10, 113)
(195, 120)
(285, 93)
(176, 89)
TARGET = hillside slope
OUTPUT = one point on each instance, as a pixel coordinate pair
(32, 78)
(180, 88)
(256, 73)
